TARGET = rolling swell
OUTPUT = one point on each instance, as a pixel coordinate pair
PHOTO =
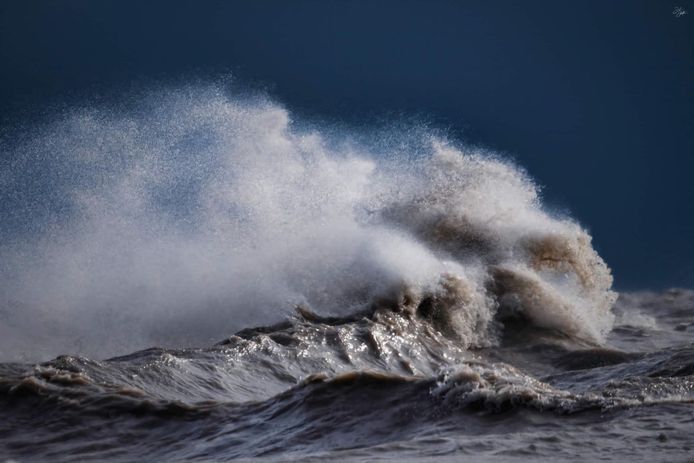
(311, 384)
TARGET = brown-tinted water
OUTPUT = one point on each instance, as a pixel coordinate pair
(411, 298)
(385, 386)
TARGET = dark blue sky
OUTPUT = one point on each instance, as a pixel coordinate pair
(594, 98)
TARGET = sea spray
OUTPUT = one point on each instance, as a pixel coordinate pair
(193, 213)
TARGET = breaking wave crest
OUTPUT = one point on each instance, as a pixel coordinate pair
(192, 213)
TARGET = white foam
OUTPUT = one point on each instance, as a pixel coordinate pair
(196, 214)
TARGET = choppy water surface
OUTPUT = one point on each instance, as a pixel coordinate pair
(385, 386)
(394, 297)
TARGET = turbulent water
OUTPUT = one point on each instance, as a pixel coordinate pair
(394, 296)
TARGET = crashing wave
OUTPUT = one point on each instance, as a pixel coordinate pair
(199, 213)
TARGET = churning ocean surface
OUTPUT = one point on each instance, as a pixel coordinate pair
(313, 293)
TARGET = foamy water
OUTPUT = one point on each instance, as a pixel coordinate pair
(192, 214)
(313, 293)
